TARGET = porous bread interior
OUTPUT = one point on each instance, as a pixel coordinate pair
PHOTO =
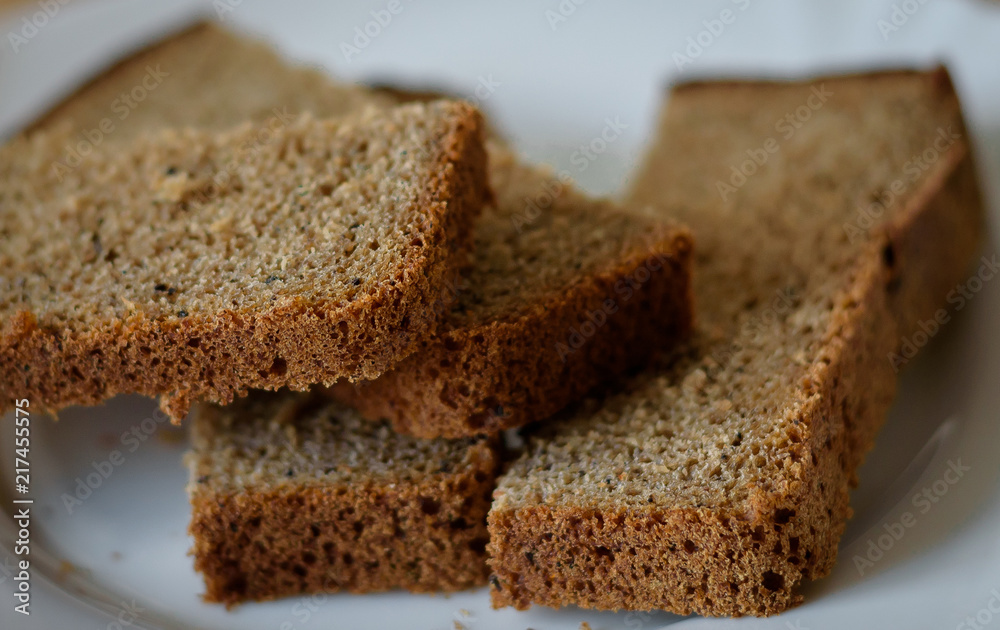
(546, 261)
(540, 239)
(291, 441)
(723, 424)
(717, 483)
(187, 223)
(293, 494)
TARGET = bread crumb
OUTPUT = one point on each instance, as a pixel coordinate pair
(172, 188)
(107, 441)
(171, 437)
(65, 568)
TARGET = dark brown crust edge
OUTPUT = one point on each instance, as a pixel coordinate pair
(702, 561)
(431, 536)
(219, 356)
(508, 373)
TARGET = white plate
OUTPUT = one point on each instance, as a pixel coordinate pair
(123, 548)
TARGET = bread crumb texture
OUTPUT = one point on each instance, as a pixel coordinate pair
(294, 494)
(717, 483)
(196, 264)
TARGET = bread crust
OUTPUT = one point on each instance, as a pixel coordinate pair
(751, 561)
(507, 373)
(220, 355)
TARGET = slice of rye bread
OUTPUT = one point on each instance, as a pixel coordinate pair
(716, 484)
(502, 394)
(196, 265)
(203, 60)
(204, 77)
(563, 293)
(295, 494)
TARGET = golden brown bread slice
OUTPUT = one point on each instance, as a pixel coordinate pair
(375, 510)
(293, 494)
(234, 79)
(515, 385)
(719, 482)
(563, 292)
(391, 512)
(486, 374)
(195, 266)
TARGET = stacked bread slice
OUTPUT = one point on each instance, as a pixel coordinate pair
(551, 307)
(320, 250)
(511, 312)
(718, 482)
(296, 494)
(382, 251)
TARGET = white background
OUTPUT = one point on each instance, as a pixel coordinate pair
(557, 83)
